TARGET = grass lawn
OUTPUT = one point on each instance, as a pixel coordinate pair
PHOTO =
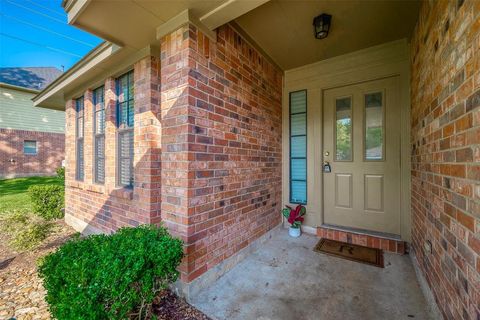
(14, 195)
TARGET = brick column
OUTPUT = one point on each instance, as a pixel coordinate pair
(70, 143)
(221, 141)
(175, 136)
(147, 137)
(88, 136)
(110, 135)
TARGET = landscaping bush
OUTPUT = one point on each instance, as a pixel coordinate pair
(25, 231)
(110, 276)
(47, 201)
(61, 173)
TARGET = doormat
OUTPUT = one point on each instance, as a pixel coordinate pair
(350, 251)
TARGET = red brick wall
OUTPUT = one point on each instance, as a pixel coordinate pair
(50, 148)
(446, 153)
(108, 207)
(207, 151)
(221, 139)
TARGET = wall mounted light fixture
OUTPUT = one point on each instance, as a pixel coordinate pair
(321, 25)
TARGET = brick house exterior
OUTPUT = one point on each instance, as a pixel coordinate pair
(210, 160)
(446, 154)
(15, 163)
(21, 123)
(212, 171)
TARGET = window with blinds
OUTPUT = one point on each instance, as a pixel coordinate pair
(79, 124)
(99, 134)
(298, 147)
(125, 123)
(30, 147)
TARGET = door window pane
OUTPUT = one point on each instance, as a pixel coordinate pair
(374, 131)
(343, 129)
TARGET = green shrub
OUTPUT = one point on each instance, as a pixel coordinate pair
(110, 276)
(47, 200)
(25, 231)
(61, 173)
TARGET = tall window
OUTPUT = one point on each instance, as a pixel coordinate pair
(298, 147)
(79, 137)
(99, 134)
(125, 117)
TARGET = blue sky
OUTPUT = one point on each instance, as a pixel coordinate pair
(35, 33)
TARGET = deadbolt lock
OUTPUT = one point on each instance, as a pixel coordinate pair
(326, 167)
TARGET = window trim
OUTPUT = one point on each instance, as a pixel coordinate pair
(290, 145)
(98, 135)
(36, 148)
(122, 130)
(78, 139)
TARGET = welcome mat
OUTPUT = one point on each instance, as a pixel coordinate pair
(350, 251)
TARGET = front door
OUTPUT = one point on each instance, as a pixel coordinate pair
(362, 156)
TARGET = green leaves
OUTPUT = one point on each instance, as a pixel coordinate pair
(110, 276)
(47, 200)
(26, 231)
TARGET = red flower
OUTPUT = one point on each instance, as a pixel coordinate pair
(296, 214)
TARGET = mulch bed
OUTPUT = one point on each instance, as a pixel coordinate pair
(22, 293)
(168, 306)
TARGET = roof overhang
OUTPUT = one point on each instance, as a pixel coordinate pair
(134, 23)
(13, 87)
(106, 60)
(132, 29)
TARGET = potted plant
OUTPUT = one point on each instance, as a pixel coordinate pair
(295, 217)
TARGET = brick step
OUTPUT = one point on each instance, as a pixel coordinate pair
(371, 241)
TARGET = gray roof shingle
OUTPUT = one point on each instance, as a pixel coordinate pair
(36, 78)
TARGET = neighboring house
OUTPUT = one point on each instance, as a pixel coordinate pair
(32, 139)
(210, 116)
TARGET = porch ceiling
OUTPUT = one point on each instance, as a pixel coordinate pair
(283, 28)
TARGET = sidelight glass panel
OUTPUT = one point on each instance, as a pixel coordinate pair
(300, 169)
(298, 126)
(343, 129)
(298, 191)
(298, 147)
(374, 129)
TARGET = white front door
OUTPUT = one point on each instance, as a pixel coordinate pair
(362, 149)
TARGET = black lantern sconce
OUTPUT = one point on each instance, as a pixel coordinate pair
(321, 25)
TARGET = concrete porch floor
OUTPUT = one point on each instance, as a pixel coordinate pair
(286, 279)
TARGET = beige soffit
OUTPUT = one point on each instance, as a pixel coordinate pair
(134, 23)
(74, 8)
(228, 11)
(183, 18)
(283, 28)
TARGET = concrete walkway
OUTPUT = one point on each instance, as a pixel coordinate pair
(286, 279)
